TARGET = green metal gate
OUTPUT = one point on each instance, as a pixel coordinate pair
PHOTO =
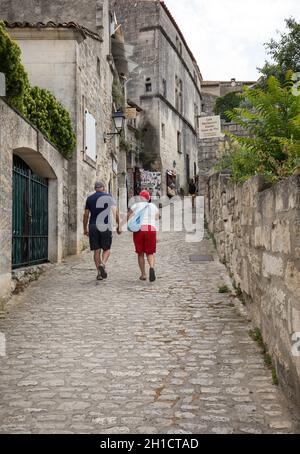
(30, 216)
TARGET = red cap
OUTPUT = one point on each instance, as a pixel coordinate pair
(145, 195)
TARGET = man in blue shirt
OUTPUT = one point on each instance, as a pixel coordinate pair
(99, 209)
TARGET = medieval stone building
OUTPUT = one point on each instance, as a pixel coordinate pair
(167, 86)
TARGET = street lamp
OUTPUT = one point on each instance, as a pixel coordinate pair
(118, 119)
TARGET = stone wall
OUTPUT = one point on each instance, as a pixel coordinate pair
(84, 12)
(209, 102)
(19, 137)
(93, 92)
(257, 231)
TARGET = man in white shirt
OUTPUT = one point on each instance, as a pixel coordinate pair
(145, 239)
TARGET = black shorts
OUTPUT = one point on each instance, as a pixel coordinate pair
(99, 240)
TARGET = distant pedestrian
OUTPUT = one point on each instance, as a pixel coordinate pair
(193, 191)
(99, 209)
(145, 238)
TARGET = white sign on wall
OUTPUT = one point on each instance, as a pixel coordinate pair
(210, 127)
(90, 136)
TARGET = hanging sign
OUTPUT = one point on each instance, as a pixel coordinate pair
(210, 127)
(130, 113)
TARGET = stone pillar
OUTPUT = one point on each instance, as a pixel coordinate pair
(5, 220)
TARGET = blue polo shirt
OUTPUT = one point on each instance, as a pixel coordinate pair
(98, 203)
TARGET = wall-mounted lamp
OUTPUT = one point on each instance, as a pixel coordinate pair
(174, 164)
(118, 119)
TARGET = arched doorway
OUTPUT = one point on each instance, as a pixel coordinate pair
(30, 216)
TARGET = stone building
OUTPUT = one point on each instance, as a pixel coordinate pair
(74, 61)
(167, 86)
(42, 194)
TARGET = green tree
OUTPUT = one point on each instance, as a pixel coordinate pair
(273, 126)
(227, 103)
(240, 160)
(10, 64)
(285, 53)
(51, 118)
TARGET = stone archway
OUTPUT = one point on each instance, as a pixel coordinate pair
(41, 167)
(20, 138)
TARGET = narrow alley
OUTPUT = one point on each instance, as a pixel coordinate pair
(124, 356)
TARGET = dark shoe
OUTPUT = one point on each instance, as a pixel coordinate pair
(99, 277)
(152, 276)
(102, 272)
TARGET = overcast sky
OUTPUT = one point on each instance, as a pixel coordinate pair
(227, 36)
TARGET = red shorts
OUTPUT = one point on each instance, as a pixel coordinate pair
(145, 241)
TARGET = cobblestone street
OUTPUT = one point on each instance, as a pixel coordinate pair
(124, 356)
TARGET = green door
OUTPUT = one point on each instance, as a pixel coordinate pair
(30, 216)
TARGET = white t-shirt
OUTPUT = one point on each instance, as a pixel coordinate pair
(149, 215)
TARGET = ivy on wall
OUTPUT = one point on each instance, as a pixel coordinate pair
(17, 82)
(38, 105)
(125, 145)
(118, 94)
(51, 118)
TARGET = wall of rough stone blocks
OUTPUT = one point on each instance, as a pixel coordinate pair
(93, 93)
(209, 102)
(257, 232)
(83, 12)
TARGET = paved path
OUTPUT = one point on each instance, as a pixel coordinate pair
(123, 356)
